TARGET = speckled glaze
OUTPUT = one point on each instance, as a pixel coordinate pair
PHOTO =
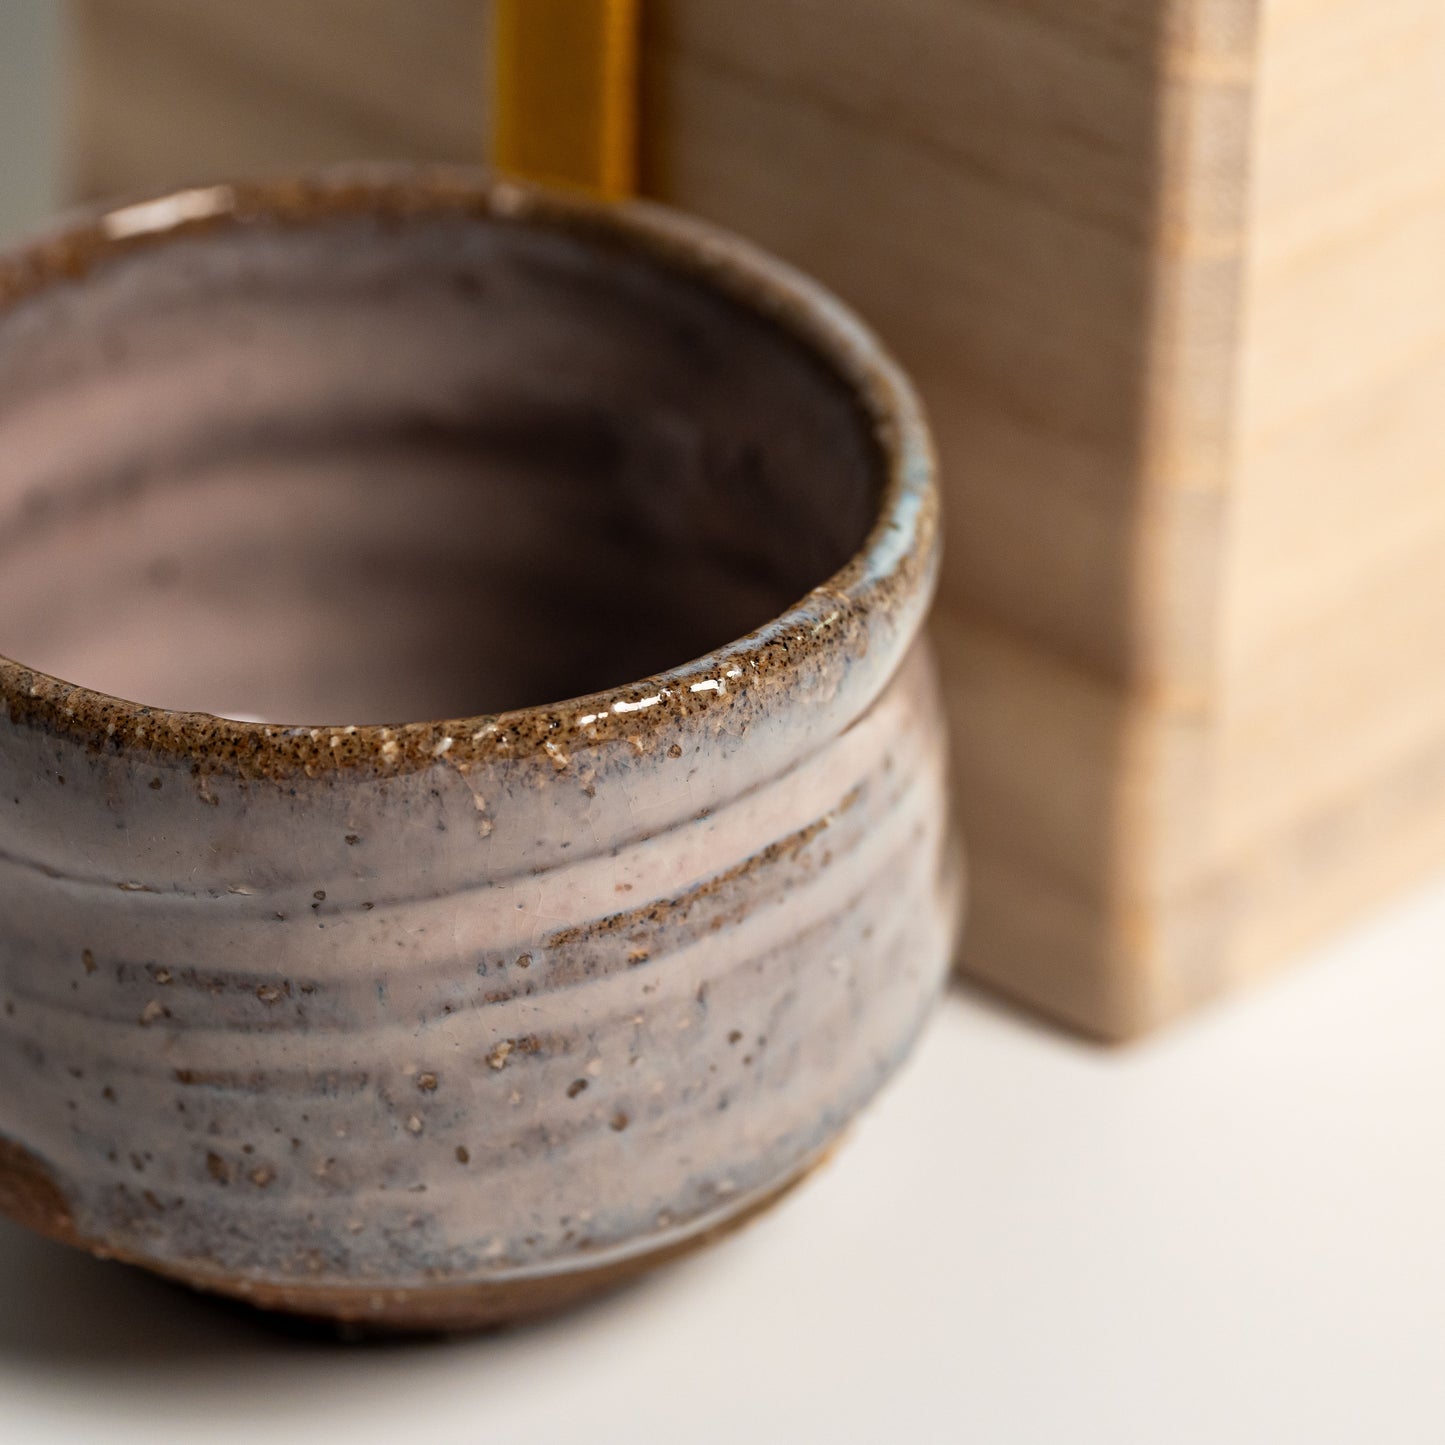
(431, 1024)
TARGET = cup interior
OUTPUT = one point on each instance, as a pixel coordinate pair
(366, 469)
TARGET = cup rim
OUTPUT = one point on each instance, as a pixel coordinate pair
(894, 569)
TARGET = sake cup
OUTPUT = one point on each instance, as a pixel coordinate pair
(472, 811)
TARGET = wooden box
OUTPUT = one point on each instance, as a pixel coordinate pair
(1172, 278)
(1171, 275)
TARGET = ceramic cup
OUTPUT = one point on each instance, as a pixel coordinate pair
(355, 1013)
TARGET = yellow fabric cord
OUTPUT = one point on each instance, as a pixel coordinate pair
(565, 93)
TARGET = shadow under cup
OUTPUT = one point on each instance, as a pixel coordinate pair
(584, 866)
(366, 470)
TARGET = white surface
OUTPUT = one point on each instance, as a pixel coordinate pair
(1235, 1233)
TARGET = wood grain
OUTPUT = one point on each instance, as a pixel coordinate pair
(167, 92)
(1172, 286)
(1027, 201)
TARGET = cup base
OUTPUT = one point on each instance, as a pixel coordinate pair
(362, 1312)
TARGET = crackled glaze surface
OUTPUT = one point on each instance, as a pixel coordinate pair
(440, 1022)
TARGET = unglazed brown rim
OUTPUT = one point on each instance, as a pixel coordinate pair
(893, 570)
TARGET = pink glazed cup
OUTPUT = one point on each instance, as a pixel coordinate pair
(434, 1024)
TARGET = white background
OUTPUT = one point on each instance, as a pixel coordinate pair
(1233, 1233)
